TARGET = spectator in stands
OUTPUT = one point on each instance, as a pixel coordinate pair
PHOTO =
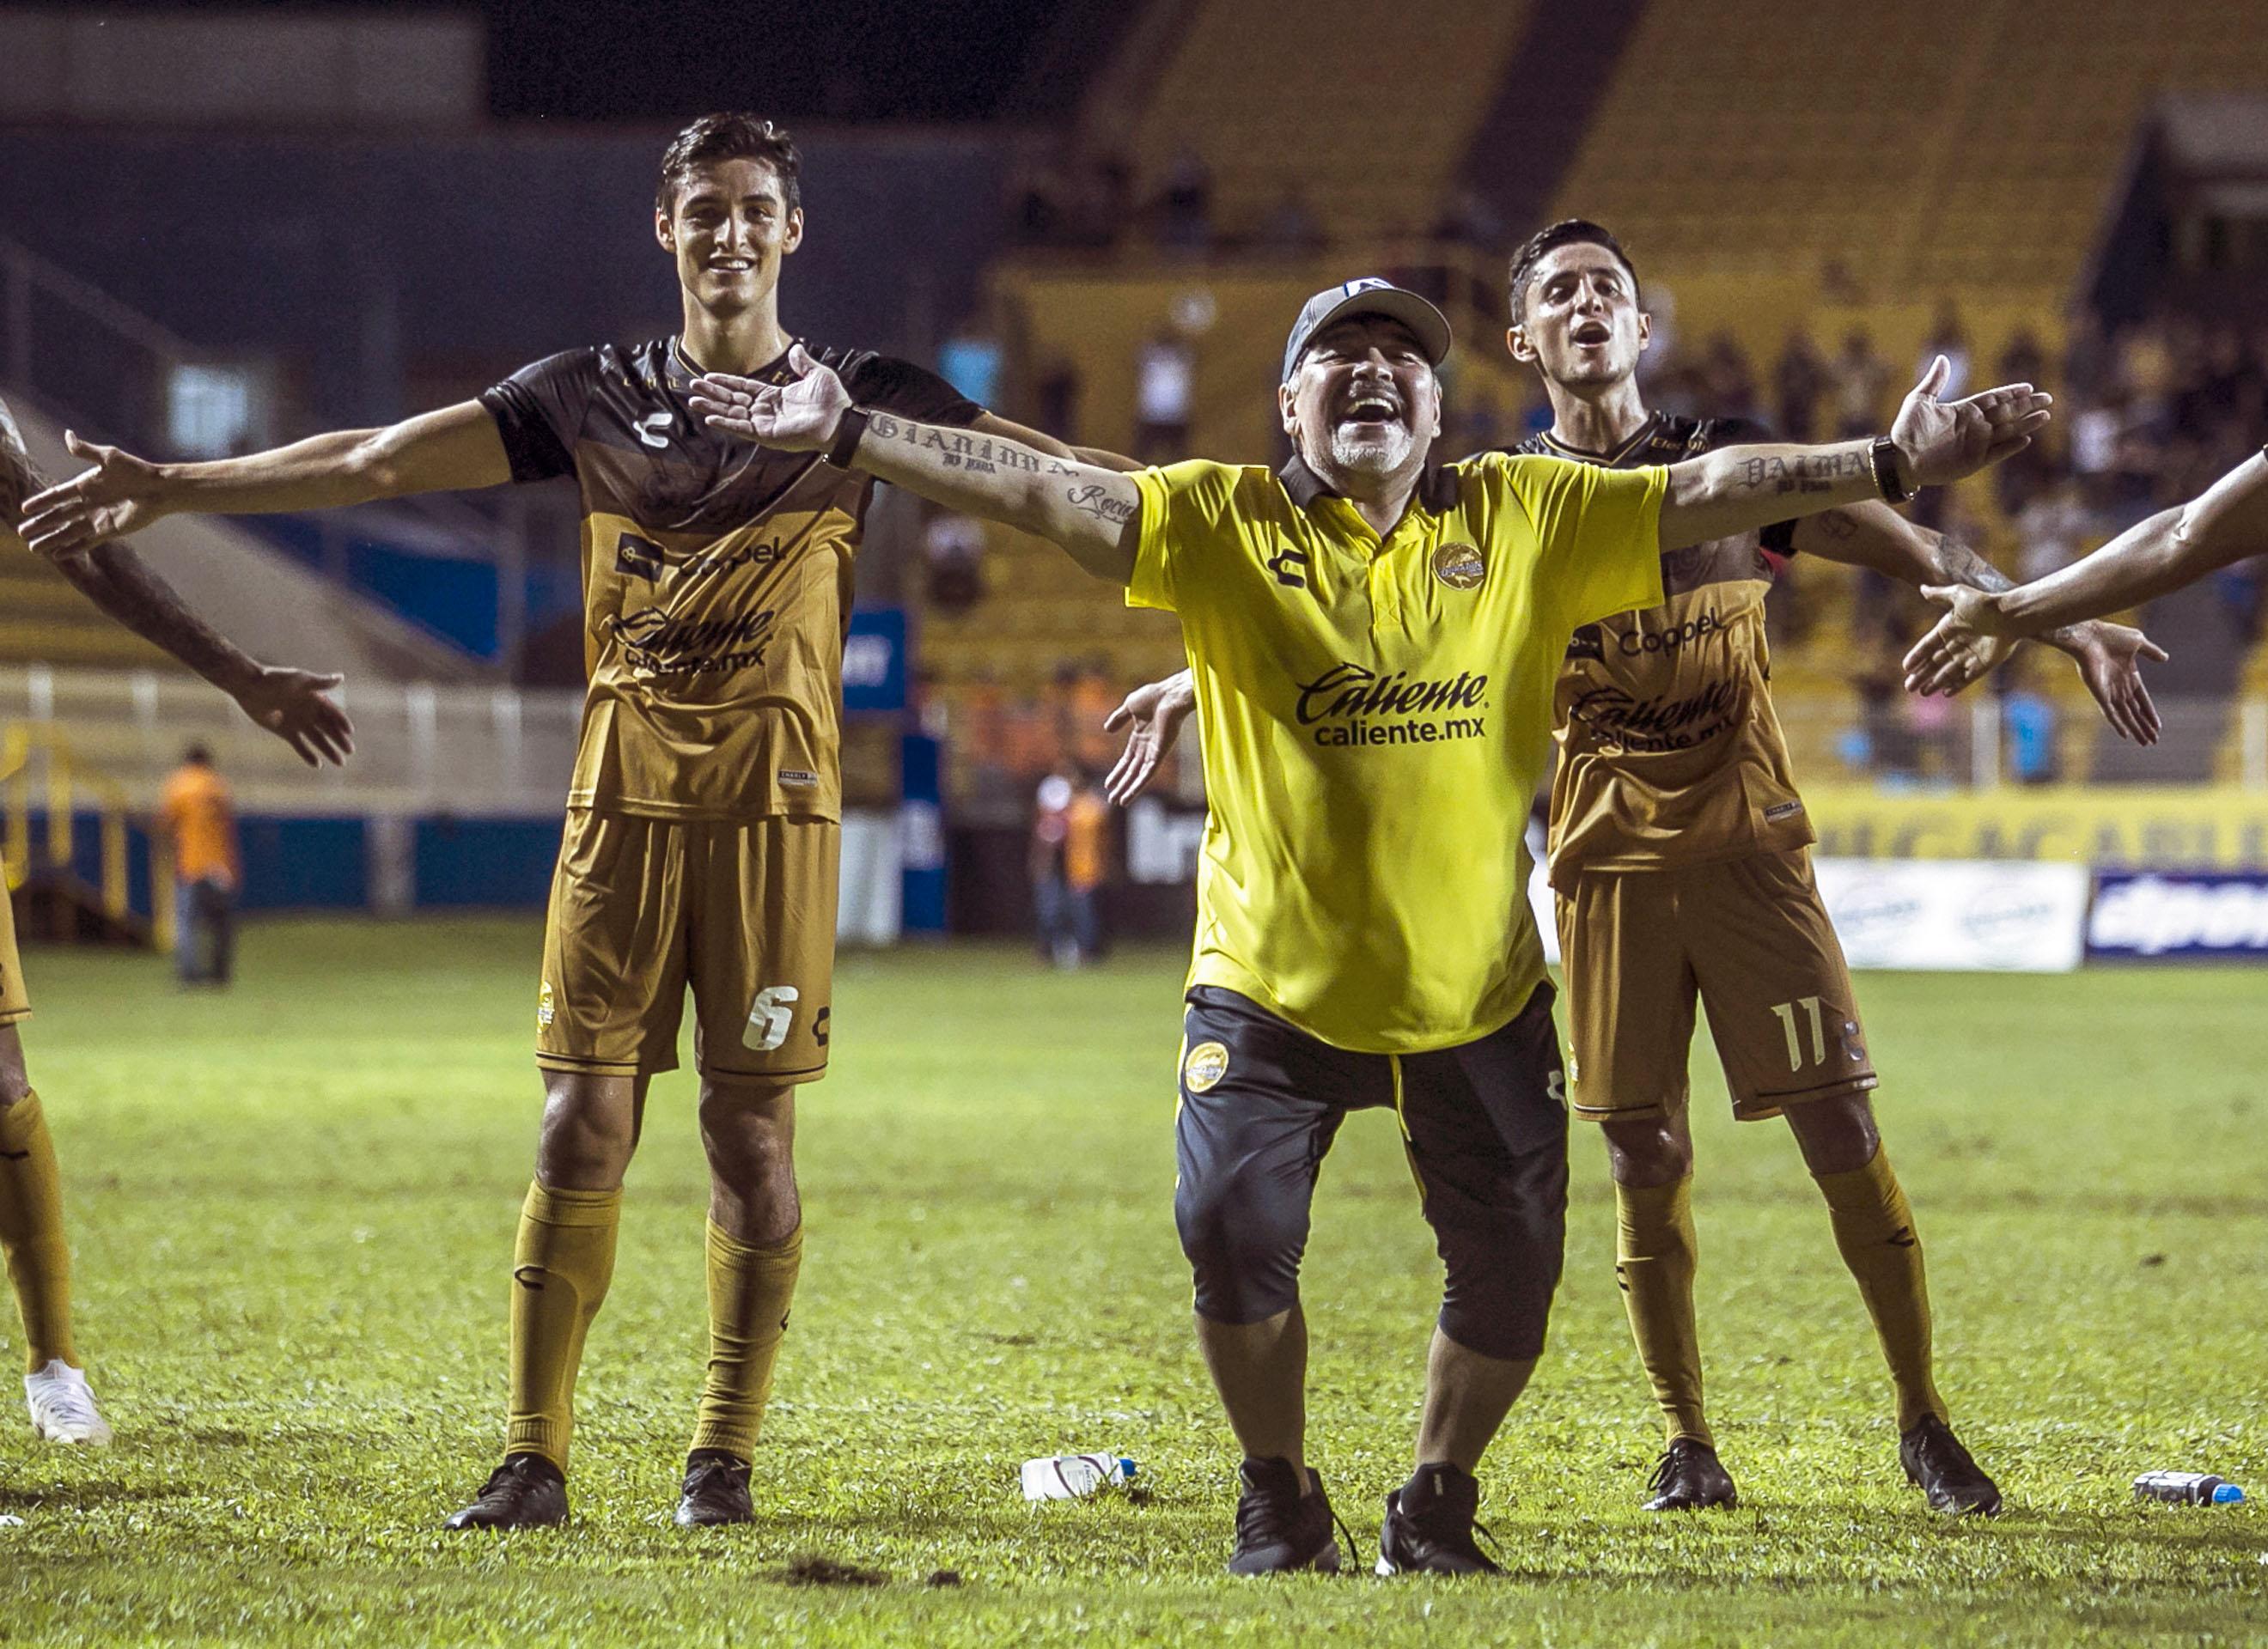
(2053, 529)
(952, 553)
(2028, 726)
(1727, 381)
(2024, 355)
(1165, 394)
(1949, 338)
(1799, 379)
(1185, 205)
(198, 821)
(1290, 227)
(1860, 378)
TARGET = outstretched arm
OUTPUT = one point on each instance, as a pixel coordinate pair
(1091, 513)
(2228, 522)
(289, 703)
(1739, 489)
(450, 450)
(2108, 655)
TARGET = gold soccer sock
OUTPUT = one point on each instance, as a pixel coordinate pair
(749, 1292)
(1875, 1229)
(561, 1266)
(32, 1233)
(1655, 1258)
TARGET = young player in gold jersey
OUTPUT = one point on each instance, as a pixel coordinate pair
(703, 834)
(289, 703)
(1678, 849)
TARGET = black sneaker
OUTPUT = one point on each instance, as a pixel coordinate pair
(1278, 1529)
(1429, 1525)
(526, 1491)
(1687, 1475)
(1935, 1461)
(716, 1491)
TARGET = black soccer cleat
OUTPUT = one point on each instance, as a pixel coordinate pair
(1936, 1462)
(1429, 1525)
(716, 1491)
(1278, 1529)
(526, 1491)
(1689, 1476)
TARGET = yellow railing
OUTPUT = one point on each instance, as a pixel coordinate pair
(35, 757)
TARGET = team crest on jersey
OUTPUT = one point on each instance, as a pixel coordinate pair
(1460, 566)
(545, 1012)
(1205, 1065)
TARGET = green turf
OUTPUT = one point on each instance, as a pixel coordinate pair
(293, 1210)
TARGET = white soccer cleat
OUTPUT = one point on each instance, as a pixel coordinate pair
(62, 1406)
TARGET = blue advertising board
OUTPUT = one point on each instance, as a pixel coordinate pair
(2179, 915)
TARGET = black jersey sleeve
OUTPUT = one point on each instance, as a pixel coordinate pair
(539, 412)
(1779, 537)
(890, 385)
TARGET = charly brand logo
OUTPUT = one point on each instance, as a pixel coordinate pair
(1349, 705)
(1460, 566)
(1206, 1065)
(660, 643)
(1289, 567)
(653, 430)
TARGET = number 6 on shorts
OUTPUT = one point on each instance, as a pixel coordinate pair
(769, 1018)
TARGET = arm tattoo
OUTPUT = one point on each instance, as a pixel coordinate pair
(1836, 524)
(118, 581)
(1804, 475)
(1093, 500)
(1956, 563)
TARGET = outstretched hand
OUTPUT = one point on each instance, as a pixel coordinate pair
(2109, 658)
(802, 416)
(292, 705)
(1152, 716)
(1968, 641)
(1943, 441)
(116, 495)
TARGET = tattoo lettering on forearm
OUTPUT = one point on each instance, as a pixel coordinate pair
(1095, 500)
(958, 448)
(1806, 474)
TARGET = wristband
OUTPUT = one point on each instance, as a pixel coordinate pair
(849, 429)
(1883, 457)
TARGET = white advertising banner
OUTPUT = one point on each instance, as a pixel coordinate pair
(1949, 916)
(1958, 915)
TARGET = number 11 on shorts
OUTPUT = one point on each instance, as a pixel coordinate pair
(1787, 1021)
(770, 1016)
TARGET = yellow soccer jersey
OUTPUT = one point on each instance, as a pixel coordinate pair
(1376, 717)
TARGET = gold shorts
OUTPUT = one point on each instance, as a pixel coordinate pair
(15, 1001)
(642, 908)
(1750, 938)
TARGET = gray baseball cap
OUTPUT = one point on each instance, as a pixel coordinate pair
(1369, 296)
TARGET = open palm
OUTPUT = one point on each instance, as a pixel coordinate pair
(1945, 441)
(800, 417)
(115, 495)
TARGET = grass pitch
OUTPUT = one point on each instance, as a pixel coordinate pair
(293, 1210)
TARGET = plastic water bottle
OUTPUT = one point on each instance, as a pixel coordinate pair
(1074, 1476)
(2187, 1488)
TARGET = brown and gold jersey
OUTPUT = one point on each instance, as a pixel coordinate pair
(1670, 752)
(716, 579)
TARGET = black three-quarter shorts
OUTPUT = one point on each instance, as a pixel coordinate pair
(1484, 1125)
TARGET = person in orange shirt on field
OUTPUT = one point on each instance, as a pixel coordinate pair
(200, 825)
